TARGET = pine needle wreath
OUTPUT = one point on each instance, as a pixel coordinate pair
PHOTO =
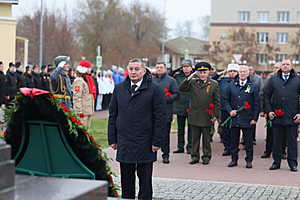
(47, 108)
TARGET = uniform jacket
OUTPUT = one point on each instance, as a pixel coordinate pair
(163, 82)
(83, 101)
(284, 95)
(202, 94)
(3, 88)
(28, 80)
(136, 122)
(12, 83)
(182, 103)
(37, 80)
(60, 82)
(45, 81)
(235, 97)
(21, 81)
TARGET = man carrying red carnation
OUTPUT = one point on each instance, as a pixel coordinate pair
(281, 96)
(242, 103)
(205, 109)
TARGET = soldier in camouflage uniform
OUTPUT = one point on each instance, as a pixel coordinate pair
(83, 101)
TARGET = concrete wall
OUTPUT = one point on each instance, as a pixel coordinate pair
(7, 34)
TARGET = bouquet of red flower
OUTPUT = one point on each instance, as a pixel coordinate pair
(278, 113)
(167, 92)
(245, 106)
(210, 110)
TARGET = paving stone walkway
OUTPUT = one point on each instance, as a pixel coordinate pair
(182, 189)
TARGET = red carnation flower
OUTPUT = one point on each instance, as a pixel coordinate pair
(81, 115)
(168, 93)
(279, 113)
(209, 111)
(73, 119)
(211, 106)
(65, 108)
(247, 105)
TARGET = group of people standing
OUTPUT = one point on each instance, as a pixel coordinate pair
(142, 106)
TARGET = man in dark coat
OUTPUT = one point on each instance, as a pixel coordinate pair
(242, 93)
(205, 109)
(19, 71)
(232, 72)
(36, 76)
(136, 122)
(181, 107)
(45, 78)
(169, 87)
(282, 96)
(12, 82)
(3, 87)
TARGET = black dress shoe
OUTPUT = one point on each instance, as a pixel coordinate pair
(226, 153)
(179, 151)
(205, 162)
(249, 165)
(166, 161)
(294, 169)
(233, 163)
(274, 167)
(194, 162)
(265, 155)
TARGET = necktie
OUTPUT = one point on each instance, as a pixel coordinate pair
(132, 89)
(242, 83)
(286, 77)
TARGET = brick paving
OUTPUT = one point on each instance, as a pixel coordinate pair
(179, 180)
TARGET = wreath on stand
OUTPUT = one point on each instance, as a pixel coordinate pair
(34, 104)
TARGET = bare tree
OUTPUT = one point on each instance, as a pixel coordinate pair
(58, 36)
(122, 32)
(204, 23)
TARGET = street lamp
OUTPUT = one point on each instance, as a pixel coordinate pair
(41, 34)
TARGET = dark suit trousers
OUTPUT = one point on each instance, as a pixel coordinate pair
(235, 141)
(226, 135)
(279, 135)
(166, 143)
(144, 173)
(181, 120)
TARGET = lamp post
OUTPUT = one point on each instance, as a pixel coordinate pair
(41, 34)
(164, 32)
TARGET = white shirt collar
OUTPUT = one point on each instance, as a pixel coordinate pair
(138, 84)
(244, 81)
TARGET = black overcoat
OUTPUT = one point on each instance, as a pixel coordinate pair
(136, 122)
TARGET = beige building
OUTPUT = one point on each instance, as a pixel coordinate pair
(274, 22)
(7, 32)
(182, 48)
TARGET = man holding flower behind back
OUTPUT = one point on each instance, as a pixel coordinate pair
(281, 96)
(205, 109)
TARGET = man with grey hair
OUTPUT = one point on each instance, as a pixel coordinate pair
(242, 103)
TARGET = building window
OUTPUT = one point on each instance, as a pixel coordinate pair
(244, 16)
(298, 17)
(282, 38)
(280, 57)
(283, 16)
(261, 59)
(262, 37)
(263, 16)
